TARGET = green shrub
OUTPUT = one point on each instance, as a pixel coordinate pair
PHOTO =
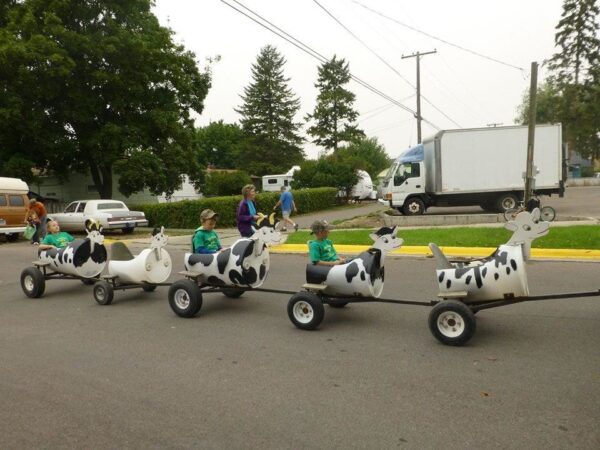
(186, 213)
(225, 183)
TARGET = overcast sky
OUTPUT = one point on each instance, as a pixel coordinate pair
(469, 90)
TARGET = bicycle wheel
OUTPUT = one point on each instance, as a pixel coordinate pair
(547, 213)
(511, 213)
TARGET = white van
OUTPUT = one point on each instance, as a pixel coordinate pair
(13, 206)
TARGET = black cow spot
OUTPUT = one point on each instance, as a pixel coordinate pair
(459, 272)
(448, 284)
(222, 259)
(250, 276)
(468, 279)
(263, 271)
(484, 272)
(205, 259)
(236, 277)
(382, 272)
(500, 258)
(508, 271)
(242, 249)
(441, 277)
(496, 276)
(351, 271)
(513, 264)
(362, 275)
(216, 281)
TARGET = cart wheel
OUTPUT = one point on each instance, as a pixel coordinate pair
(336, 304)
(547, 213)
(185, 298)
(149, 287)
(103, 292)
(511, 213)
(88, 281)
(452, 322)
(233, 292)
(305, 310)
(33, 282)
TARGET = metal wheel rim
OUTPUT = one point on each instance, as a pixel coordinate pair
(100, 294)
(509, 203)
(28, 283)
(303, 312)
(182, 299)
(450, 324)
(414, 207)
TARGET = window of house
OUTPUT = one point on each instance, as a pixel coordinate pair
(272, 181)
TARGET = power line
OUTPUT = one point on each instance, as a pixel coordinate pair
(473, 52)
(305, 48)
(386, 63)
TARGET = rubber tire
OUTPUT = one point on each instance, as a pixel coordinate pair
(465, 314)
(149, 287)
(233, 292)
(413, 206)
(549, 212)
(103, 292)
(337, 304)
(193, 293)
(38, 280)
(88, 281)
(316, 305)
(12, 237)
(506, 202)
(128, 230)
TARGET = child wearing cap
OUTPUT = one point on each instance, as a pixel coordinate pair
(321, 250)
(205, 239)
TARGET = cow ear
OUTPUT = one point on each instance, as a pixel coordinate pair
(374, 236)
(395, 230)
(162, 230)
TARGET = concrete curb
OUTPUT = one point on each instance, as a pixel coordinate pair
(536, 253)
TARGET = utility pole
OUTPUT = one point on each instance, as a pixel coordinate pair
(529, 180)
(418, 56)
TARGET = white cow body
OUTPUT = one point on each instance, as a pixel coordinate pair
(361, 277)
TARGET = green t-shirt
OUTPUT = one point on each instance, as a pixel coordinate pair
(59, 240)
(206, 241)
(322, 251)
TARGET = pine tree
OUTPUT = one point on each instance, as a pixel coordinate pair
(268, 117)
(334, 115)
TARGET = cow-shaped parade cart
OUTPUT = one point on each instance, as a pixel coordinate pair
(81, 259)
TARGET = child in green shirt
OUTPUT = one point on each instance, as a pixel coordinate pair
(321, 250)
(205, 239)
(55, 238)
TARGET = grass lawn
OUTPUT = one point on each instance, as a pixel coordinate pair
(577, 236)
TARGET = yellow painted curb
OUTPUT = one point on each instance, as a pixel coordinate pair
(542, 253)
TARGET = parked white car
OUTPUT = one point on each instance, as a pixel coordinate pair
(112, 214)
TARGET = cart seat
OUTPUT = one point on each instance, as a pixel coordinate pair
(316, 274)
(120, 252)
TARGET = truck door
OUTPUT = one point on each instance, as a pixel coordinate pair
(407, 180)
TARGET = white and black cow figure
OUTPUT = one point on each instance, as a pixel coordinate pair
(363, 276)
(502, 273)
(152, 265)
(84, 258)
(244, 264)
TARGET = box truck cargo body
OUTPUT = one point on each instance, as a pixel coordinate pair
(482, 166)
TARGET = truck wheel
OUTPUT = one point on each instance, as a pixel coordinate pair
(185, 298)
(305, 310)
(128, 230)
(452, 322)
(103, 292)
(33, 282)
(413, 207)
(233, 292)
(506, 202)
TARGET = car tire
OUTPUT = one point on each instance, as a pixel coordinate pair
(128, 230)
(33, 282)
(12, 237)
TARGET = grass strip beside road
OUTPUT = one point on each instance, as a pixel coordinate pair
(571, 237)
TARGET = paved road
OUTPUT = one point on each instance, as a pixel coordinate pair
(74, 374)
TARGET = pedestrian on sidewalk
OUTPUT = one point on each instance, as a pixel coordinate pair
(246, 213)
(286, 200)
(37, 209)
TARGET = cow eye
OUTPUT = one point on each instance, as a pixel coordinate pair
(385, 240)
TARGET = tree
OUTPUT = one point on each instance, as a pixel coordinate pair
(268, 111)
(334, 115)
(101, 87)
(366, 154)
(218, 144)
(571, 93)
(327, 171)
(226, 183)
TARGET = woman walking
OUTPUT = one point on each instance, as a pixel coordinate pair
(246, 212)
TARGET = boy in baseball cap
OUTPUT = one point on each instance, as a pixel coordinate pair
(321, 250)
(205, 239)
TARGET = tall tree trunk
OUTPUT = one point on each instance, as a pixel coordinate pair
(102, 177)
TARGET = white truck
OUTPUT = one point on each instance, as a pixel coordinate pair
(478, 166)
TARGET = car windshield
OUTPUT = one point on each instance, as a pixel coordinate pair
(112, 205)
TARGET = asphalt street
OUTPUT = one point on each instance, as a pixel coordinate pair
(74, 374)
